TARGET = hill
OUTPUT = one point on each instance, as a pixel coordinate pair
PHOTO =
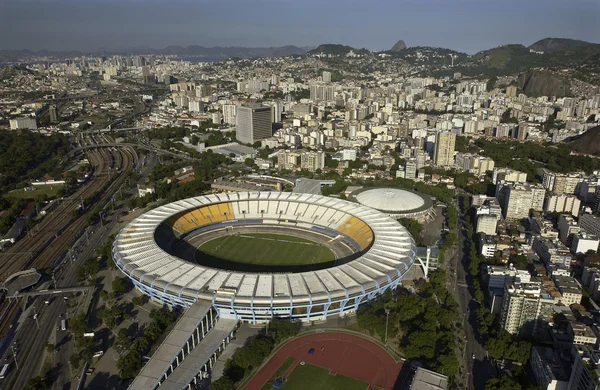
(582, 62)
(539, 83)
(553, 45)
(399, 46)
(334, 49)
(588, 142)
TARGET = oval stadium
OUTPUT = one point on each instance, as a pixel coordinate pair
(260, 255)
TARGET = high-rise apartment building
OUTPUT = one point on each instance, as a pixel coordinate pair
(326, 76)
(519, 199)
(229, 113)
(561, 203)
(312, 161)
(526, 308)
(444, 149)
(253, 123)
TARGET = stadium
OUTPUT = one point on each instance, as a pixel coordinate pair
(258, 255)
(396, 202)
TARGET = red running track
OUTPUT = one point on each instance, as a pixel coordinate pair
(342, 353)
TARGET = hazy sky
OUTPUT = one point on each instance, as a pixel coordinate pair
(465, 25)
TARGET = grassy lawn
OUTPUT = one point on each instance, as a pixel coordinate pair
(267, 249)
(51, 191)
(316, 378)
(284, 366)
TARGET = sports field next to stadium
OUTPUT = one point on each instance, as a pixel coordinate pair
(266, 250)
(307, 376)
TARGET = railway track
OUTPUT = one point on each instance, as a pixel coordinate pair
(58, 230)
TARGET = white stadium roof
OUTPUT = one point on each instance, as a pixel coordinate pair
(386, 260)
(393, 200)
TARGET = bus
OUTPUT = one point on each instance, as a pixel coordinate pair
(63, 325)
(4, 371)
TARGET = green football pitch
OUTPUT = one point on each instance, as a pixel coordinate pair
(312, 377)
(264, 250)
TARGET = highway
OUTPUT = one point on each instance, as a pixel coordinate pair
(31, 341)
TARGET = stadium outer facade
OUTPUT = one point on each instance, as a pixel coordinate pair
(385, 252)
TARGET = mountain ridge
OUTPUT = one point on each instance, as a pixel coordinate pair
(553, 45)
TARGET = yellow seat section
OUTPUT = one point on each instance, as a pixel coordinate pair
(184, 222)
(219, 212)
(358, 231)
(200, 218)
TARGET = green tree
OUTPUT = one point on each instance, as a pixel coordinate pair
(50, 347)
(223, 383)
(75, 361)
(118, 286)
(281, 329)
(501, 383)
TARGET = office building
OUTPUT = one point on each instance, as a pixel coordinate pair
(444, 149)
(526, 309)
(253, 123)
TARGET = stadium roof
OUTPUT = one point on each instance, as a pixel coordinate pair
(387, 259)
(392, 200)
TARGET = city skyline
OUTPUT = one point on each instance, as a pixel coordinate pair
(464, 25)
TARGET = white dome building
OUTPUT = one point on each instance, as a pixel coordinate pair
(395, 202)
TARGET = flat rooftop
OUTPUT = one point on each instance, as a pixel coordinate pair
(170, 347)
(193, 363)
(428, 380)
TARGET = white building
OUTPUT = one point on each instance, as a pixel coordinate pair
(521, 198)
(562, 203)
(584, 242)
(487, 224)
(526, 308)
(23, 123)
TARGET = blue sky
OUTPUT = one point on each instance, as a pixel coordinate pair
(465, 25)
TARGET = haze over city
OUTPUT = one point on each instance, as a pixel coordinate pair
(463, 25)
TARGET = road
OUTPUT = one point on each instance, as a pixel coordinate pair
(30, 341)
(478, 368)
